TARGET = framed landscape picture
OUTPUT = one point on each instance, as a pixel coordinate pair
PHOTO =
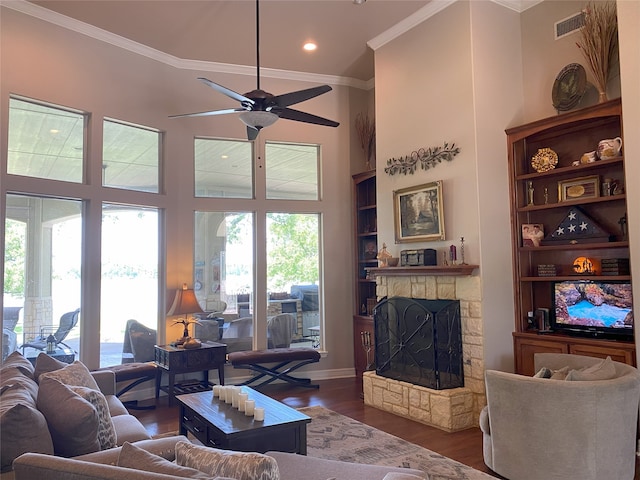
(418, 213)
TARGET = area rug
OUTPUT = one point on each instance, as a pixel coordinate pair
(336, 437)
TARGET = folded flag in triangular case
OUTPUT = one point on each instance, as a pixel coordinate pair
(577, 227)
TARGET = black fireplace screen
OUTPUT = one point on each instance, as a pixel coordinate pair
(419, 341)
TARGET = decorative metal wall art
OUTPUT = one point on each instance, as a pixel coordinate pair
(425, 158)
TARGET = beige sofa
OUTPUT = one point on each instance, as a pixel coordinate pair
(103, 466)
(54, 423)
(579, 426)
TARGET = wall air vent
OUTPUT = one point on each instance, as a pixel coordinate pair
(569, 25)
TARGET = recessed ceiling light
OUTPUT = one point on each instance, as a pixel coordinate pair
(310, 46)
(54, 131)
(224, 156)
(359, 2)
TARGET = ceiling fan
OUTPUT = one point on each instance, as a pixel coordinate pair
(261, 109)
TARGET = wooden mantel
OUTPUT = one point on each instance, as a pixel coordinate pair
(450, 270)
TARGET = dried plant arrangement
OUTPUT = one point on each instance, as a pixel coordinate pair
(599, 41)
(366, 129)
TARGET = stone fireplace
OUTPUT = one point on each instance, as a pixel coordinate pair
(450, 409)
(419, 341)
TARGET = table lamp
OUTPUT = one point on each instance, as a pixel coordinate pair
(184, 303)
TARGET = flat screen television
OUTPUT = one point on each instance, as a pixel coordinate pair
(593, 308)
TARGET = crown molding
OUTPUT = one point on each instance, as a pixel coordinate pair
(400, 28)
(426, 12)
(518, 5)
(91, 31)
(430, 10)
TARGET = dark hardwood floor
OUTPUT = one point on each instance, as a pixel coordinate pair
(344, 396)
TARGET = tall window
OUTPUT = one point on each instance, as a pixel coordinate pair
(129, 284)
(43, 244)
(293, 275)
(229, 251)
(45, 253)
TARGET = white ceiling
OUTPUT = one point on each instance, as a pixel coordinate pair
(223, 31)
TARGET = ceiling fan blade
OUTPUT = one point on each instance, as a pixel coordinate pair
(225, 91)
(211, 112)
(252, 133)
(292, 98)
(298, 116)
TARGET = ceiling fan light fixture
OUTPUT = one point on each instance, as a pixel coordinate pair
(258, 119)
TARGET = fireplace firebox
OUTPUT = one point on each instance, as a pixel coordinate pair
(419, 341)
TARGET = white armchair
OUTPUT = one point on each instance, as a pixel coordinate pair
(540, 429)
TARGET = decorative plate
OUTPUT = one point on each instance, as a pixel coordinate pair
(569, 87)
(545, 160)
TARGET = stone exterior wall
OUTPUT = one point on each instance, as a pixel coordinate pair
(467, 290)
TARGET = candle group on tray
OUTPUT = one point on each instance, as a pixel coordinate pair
(234, 396)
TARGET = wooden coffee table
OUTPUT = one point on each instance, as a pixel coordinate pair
(217, 424)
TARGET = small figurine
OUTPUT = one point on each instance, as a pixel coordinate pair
(384, 256)
(530, 192)
(546, 195)
(623, 226)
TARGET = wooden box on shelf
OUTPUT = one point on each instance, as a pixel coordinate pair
(549, 181)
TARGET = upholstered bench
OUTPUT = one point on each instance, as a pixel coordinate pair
(286, 361)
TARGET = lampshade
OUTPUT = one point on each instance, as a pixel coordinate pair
(185, 302)
(258, 119)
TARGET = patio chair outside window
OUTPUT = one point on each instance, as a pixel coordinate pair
(68, 321)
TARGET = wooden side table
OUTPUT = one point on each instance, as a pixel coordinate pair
(65, 355)
(178, 360)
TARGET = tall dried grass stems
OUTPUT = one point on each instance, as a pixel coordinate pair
(366, 129)
(599, 41)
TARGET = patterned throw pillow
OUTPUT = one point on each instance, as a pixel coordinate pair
(140, 459)
(226, 463)
(106, 430)
(76, 374)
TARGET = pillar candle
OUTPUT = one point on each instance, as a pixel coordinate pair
(258, 414)
(242, 398)
(234, 396)
(452, 253)
(249, 407)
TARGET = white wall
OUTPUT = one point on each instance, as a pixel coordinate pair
(50, 63)
(629, 35)
(497, 81)
(544, 57)
(457, 78)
